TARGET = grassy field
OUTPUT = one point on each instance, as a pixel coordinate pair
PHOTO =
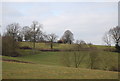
(49, 65)
(55, 58)
(13, 70)
(46, 45)
(55, 46)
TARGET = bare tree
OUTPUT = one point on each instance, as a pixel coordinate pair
(9, 40)
(78, 58)
(26, 32)
(40, 37)
(107, 39)
(20, 35)
(93, 57)
(68, 37)
(75, 58)
(51, 38)
(13, 30)
(35, 29)
(115, 34)
(29, 34)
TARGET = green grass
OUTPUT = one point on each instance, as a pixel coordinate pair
(47, 58)
(13, 70)
(107, 59)
(49, 65)
(56, 45)
(46, 45)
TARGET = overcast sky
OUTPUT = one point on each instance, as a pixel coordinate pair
(87, 20)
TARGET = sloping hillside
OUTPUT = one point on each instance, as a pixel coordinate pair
(13, 70)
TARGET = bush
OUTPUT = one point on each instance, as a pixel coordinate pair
(9, 46)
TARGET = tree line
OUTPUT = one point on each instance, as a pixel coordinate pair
(33, 33)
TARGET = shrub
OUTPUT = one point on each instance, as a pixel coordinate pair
(9, 46)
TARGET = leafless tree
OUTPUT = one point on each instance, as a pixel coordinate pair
(13, 30)
(40, 37)
(68, 37)
(115, 34)
(107, 39)
(26, 32)
(11, 35)
(35, 29)
(77, 55)
(93, 57)
(51, 38)
(78, 58)
(74, 57)
(9, 40)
